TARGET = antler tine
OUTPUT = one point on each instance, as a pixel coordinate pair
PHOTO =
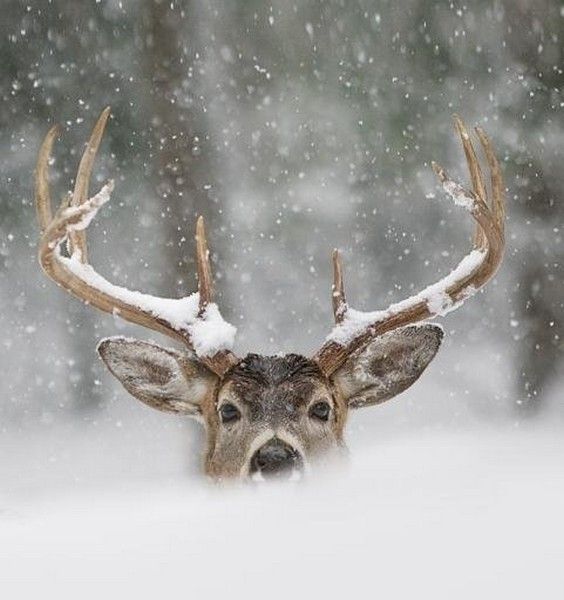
(176, 318)
(498, 194)
(80, 193)
(205, 280)
(476, 176)
(356, 329)
(338, 289)
(42, 195)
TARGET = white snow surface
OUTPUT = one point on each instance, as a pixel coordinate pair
(428, 516)
(208, 334)
(435, 295)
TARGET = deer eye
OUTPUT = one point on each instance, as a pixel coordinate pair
(320, 411)
(229, 413)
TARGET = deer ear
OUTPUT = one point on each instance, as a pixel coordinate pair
(388, 365)
(161, 378)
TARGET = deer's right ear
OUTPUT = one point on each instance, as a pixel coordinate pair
(161, 378)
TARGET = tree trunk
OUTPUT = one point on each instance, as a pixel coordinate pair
(183, 172)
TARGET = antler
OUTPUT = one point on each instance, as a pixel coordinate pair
(354, 329)
(194, 320)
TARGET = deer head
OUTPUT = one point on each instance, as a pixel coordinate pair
(265, 415)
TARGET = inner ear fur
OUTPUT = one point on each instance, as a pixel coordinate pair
(162, 378)
(388, 365)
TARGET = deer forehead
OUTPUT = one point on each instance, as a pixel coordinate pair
(267, 385)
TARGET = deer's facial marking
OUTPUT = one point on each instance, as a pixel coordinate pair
(273, 415)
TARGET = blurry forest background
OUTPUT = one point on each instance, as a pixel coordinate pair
(294, 127)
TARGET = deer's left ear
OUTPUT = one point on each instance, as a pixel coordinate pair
(388, 365)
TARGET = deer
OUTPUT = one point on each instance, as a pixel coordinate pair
(266, 417)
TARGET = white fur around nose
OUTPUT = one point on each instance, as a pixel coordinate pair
(264, 437)
(260, 440)
(291, 440)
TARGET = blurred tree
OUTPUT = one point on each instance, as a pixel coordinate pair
(535, 30)
(185, 174)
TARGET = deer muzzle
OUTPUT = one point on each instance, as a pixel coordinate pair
(276, 458)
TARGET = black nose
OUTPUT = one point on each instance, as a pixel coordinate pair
(275, 457)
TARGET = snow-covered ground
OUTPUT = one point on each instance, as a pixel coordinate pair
(475, 514)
